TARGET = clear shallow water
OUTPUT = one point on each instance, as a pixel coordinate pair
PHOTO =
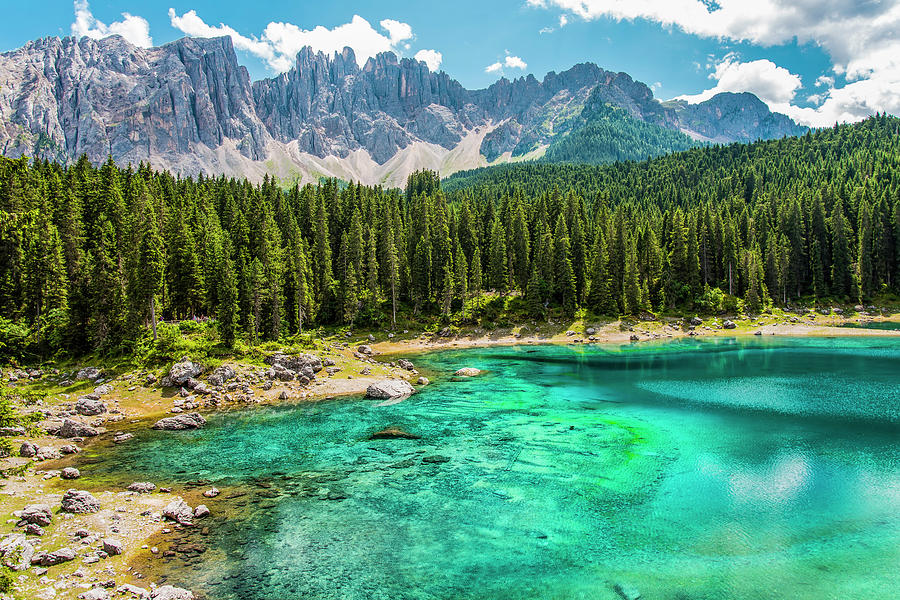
(686, 470)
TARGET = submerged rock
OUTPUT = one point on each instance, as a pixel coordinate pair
(388, 389)
(394, 433)
(627, 592)
(468, 372)
(180, 422)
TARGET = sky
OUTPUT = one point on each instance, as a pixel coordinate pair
(818, 61)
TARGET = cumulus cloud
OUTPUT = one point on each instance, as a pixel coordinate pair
(510, 62)
(773, 85)
(280, 42)
(860, 37)
(134, 29)
(432, 58)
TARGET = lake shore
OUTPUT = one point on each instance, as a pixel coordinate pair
(136, 520)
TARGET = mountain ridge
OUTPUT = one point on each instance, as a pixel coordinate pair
(190, 107)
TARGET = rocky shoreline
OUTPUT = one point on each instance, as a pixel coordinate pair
(68, 537)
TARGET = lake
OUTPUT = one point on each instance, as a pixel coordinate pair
(694, 469)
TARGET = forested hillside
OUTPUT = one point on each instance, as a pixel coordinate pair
(91, 257)
(606, 134)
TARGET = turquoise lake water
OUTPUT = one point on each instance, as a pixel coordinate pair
(719, 469)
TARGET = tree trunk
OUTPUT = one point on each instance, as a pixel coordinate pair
(153, 314)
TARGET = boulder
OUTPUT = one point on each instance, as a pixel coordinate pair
(179, 511)
(79, 502)
(72, 429)
(47, 453)
(201, 511)
(181, 372)
(281, 373)
(102, 390)
(16, 551)
(394, 433)
(302, 364)
(405, 364)
(57, 557)
(97, 593)
(590, 331)
(113, 547)
(468, 372)
(169, 592)
(389, 389)
(142, 487)
(89, 406)
(133, 591)
(180, 422)
(70, 473)
(221, 375)
(89, 373)
(365, 350)
(69, 449)
(728, 324)
(422, 381)
(32, 529)
(122, 437)
(696, 321)
(627, 592)
(211, 493)
(39, 514)
(27, 449)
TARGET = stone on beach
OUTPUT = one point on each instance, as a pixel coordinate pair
(79, 502)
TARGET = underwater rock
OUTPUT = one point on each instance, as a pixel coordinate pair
(180, 422)
(436, 459)
(388, 389)
(79, 502)
(422, 381)
(394, 433)
(627, 592)
(468, 372)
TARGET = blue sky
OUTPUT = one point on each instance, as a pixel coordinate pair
(817, 60)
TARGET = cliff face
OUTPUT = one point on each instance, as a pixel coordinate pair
(61, 98)
(190, 107)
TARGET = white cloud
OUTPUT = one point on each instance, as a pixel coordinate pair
(280, 42)
(432, 58)
(563, 21)
(510, 62)
(134, 29)
(773, 85)
(859, 36)
(514, 62)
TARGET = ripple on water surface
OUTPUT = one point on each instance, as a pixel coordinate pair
(725, 469)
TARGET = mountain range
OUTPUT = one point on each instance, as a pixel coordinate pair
(190, 107)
